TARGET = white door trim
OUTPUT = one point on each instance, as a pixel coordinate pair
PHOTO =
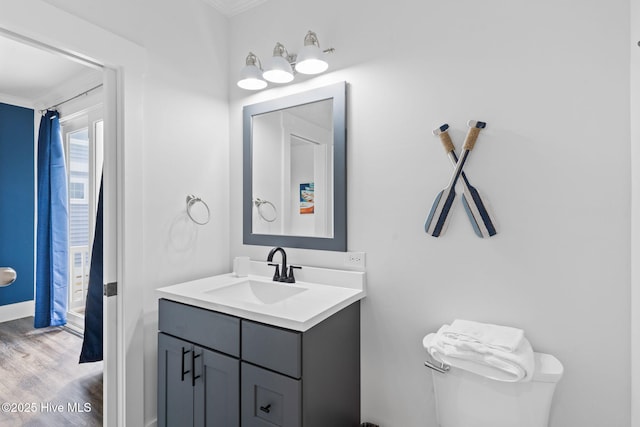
(111, 251)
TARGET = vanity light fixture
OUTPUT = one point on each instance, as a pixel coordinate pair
(279, 68)
(251, 74)
(311, 58)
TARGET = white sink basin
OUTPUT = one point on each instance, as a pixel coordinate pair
(317, 294)
(257, 292)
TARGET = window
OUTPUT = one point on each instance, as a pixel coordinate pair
(82, 132)
(78, 190)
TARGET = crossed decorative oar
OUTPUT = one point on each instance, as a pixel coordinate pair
(479, 216)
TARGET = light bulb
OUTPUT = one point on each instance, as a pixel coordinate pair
(311, 60)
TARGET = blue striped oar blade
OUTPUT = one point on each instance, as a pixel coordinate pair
(484, 213)
(472, 218)
(437, 219)
(477, 211)
(444, 215)
(427, 223)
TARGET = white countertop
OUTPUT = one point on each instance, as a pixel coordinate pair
(326, 292)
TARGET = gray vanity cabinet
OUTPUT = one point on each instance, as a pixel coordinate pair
(216, 396)
(198, 387)
(175, 403)
(220, 370)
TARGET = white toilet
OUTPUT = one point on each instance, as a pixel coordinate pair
(465, 399)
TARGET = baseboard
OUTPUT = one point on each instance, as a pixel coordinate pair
(75, 322)
(17, 311)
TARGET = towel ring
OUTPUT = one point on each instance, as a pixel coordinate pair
(192, 200)
(259, 203)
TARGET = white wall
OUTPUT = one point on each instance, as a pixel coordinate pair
(552, 81)
(187, 153)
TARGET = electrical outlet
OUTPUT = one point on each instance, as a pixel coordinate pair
(354, 259)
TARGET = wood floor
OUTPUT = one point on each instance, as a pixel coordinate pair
(41, 381)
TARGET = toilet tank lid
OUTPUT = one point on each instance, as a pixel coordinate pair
(548, 369)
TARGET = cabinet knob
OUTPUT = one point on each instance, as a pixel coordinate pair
(266, 409)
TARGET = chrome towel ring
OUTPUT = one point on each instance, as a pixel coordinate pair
(259, 203)
(191, 201)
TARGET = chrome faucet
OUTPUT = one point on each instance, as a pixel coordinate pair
(277, 276)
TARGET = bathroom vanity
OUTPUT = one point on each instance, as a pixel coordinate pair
(251, 352)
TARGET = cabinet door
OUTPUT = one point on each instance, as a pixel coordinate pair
(270, 399)
(175, 390)
(217, 389)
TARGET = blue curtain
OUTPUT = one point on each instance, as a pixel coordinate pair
(52, 248)
(92, 343)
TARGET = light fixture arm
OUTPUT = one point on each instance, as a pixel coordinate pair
(252, 59)
(280, 50)
(312, 39)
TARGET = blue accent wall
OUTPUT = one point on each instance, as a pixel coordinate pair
(17, 196)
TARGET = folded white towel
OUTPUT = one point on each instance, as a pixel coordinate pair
(482, 360)
(494, 336)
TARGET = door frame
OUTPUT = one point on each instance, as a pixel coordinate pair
(110, 258)
(124, 64)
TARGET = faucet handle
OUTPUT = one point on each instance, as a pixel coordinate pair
(291, 278)
(276, 275)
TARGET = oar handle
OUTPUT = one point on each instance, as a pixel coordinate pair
(472, 137)
(446, 141)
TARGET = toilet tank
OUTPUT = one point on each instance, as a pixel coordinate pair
(465, 399)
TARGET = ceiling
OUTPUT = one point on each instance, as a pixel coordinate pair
(233, 7)
(30, 73)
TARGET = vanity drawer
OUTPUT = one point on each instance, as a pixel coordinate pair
(273, 348)
(203, 327)
(269, 399)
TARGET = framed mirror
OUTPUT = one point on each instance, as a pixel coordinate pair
(294, 170)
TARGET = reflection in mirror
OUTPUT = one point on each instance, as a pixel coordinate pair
(294, 176)
(292, 171)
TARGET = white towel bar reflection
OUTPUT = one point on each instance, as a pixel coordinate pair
(259, 205)
(192, 200)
